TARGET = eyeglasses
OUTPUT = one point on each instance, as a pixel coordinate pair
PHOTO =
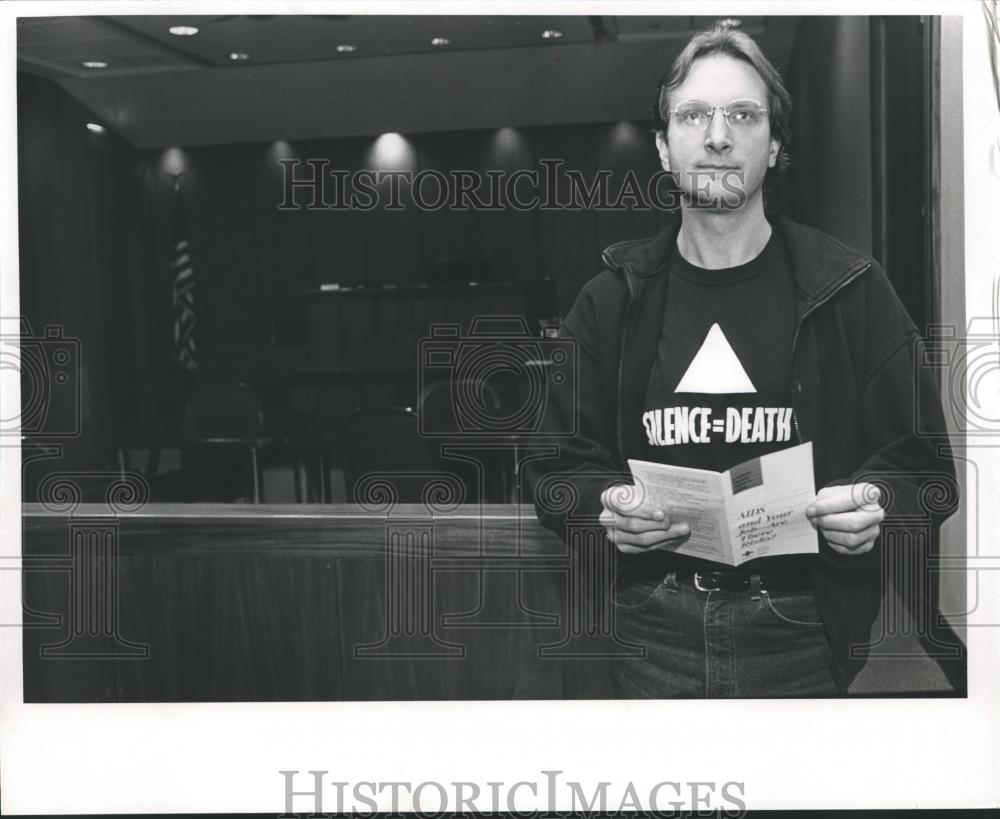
(695, 115)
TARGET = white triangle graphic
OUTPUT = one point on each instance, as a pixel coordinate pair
(715, 368)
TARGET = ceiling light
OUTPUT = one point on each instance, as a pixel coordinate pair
(239, 56)
(507, 140)
(281, 149)
(95, 64)
(440, 41)
(173, 161)
(94, 128)
(551, 34)
(392, 151)
(732, 22)
(183, 31)
(345, 48)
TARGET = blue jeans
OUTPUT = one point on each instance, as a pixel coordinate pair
(719, 643)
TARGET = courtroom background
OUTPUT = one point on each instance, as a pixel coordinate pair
(98, 205)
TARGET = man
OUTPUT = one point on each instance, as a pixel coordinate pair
(728, 311)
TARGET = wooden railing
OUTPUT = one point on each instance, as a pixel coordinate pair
(214, 603)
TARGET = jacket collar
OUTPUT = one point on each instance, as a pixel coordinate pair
(820, 263)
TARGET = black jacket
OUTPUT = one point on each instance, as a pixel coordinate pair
(857, 391)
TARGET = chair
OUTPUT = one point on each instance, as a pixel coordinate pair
(387, 441)
(310, 440)
(220, 438)
(436, 404)
(448, 428)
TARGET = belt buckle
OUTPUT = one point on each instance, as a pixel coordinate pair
(697, 584)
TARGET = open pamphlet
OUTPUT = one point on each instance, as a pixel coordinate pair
(756, 509)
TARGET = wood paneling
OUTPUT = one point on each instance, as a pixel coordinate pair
(107, 280)
(447, 231)
(337, 244)
(281, 243)
(332, 604)
(570, 252)
(226, 247)
(510, 234)
(628, 152)
(74, 270)
(255, 259)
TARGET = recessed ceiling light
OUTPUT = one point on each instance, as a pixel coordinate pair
(551, 34)
(95, 64)
(345, 48)
(391, 151)
(183, 31)
(239, 56)
(440, 41)
(94, 128)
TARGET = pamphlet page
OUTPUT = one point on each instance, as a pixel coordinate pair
(756, 509)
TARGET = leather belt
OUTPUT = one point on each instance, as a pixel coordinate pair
(738, 581)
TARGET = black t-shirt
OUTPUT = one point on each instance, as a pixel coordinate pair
(719, 390)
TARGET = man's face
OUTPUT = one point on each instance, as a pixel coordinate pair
(722, 166)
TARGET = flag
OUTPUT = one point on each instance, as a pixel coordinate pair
(183, 290)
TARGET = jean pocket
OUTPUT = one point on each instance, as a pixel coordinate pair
(632, 594)
(793, 608)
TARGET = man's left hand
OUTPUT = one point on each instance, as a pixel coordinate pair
(848, 516)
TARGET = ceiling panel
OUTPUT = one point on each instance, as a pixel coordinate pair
(498, 71)
(131, 43)
(32, 31)
(63, 44)
(309, 38)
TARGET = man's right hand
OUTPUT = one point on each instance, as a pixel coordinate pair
(635, 525)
